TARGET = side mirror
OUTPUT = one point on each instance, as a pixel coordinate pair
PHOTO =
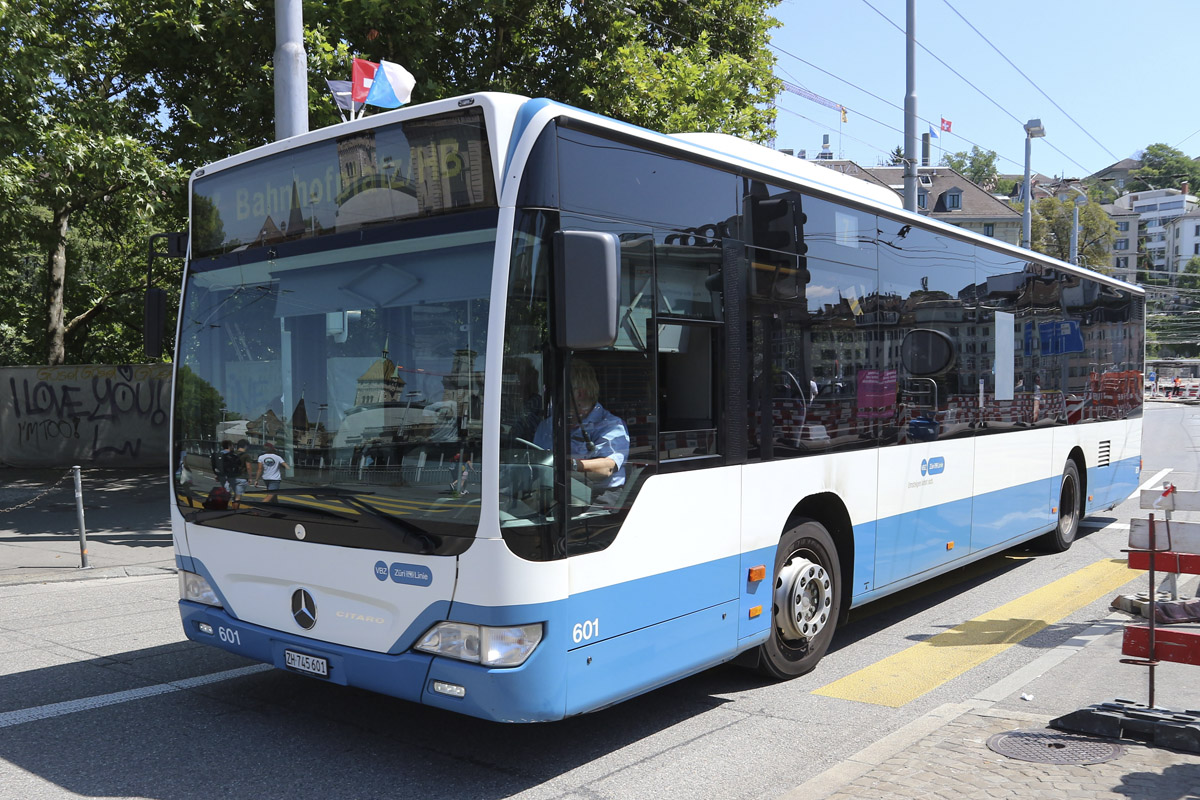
(155, 321)
(926, 352)
(586, 266)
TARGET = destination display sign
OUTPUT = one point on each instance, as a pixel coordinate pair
(407, 169)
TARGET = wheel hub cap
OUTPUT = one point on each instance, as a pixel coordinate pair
(802, 599)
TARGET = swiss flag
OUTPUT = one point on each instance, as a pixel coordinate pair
(945, 122)
(362, 73)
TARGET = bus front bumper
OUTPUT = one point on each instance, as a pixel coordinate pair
(533, 692)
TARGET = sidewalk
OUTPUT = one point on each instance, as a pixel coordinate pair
(125, 515)
(1161, 398)
(945, 754)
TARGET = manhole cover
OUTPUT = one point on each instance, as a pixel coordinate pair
(1052, 747)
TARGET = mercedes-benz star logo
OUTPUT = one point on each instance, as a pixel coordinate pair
(304, 609)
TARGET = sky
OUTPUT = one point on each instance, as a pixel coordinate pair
(1111, 78)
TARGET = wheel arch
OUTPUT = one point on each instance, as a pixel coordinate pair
(828, 509)
(1076, 455)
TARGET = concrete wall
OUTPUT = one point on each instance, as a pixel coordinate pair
(88, 415)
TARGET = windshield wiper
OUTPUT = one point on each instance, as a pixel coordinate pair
(413, 535)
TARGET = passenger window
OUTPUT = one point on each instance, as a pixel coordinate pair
(687, 269)
(687, 392)
(927, 280)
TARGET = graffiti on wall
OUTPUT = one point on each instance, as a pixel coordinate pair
(58, 416)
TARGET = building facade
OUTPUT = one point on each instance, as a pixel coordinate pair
(1156, 209)
(947, 196)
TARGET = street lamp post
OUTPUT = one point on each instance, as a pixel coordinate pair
(1033, 130)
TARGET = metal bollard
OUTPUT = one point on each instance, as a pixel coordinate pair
(79, 514)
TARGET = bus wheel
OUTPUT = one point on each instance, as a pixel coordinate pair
(1059, 539)
(806, 602)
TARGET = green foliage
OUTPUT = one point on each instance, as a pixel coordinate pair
(79, 181)
(1005, 187)
(1164, 167)
(197, 401)
(1189, 277)
(1050, 228)
(663, 64)
(107, 105)
(979, 165)
(894, 158)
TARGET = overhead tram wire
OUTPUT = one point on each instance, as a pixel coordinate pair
(1190, 135)
(835, 130)
(985, 94)
(1031, 83)
(629, 9)
(789, 54)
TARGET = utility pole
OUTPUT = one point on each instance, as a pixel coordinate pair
(1033, 130)
(291, 70)
(910, 107)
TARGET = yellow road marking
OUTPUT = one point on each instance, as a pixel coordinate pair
(905, 676)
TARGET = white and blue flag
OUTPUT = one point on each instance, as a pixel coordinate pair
(391, 86)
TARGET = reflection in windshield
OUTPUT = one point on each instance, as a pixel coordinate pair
(362, 367)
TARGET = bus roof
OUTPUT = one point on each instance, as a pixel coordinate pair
(518, 120)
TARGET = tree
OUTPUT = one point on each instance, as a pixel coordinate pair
(75, 125)
(979, 165)
(669, 67)
(894, 158)
(1189, 276)
(1050, 228)
(107, 105)
(1164, 167)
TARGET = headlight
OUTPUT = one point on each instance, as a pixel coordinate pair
(195, 588)
(482, 644)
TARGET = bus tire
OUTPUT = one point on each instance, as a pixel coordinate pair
(806, 601)
(1067, 528)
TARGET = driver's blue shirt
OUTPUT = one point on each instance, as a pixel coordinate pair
(609, 439)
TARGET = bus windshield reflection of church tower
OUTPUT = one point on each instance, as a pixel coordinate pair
(381, 383)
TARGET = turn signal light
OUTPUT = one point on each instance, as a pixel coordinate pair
(758, 573)
(755, 611)
(949, 545)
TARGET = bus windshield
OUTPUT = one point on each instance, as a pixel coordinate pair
(360, 367)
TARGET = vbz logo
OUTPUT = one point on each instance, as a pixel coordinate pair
(933, 466)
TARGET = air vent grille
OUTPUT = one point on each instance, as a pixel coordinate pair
(1105, 453)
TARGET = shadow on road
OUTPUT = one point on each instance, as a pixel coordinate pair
(274, 734)
(130, 507)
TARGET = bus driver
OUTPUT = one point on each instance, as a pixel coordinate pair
(599, 439)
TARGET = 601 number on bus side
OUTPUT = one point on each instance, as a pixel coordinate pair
(586, 630)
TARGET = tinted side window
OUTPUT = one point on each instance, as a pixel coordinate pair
(615, 180)
(838, 233)
(927, 280)
(1106, 358)
(1011, 370)
(817, 382)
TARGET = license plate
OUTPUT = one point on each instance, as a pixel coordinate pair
(306, 663)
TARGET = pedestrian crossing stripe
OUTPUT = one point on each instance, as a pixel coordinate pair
(901, 678)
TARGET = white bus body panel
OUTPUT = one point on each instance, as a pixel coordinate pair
(256, 577)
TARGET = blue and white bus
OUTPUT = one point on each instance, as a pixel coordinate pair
(571, 409)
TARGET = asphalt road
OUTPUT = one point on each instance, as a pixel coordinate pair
(100, 696)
